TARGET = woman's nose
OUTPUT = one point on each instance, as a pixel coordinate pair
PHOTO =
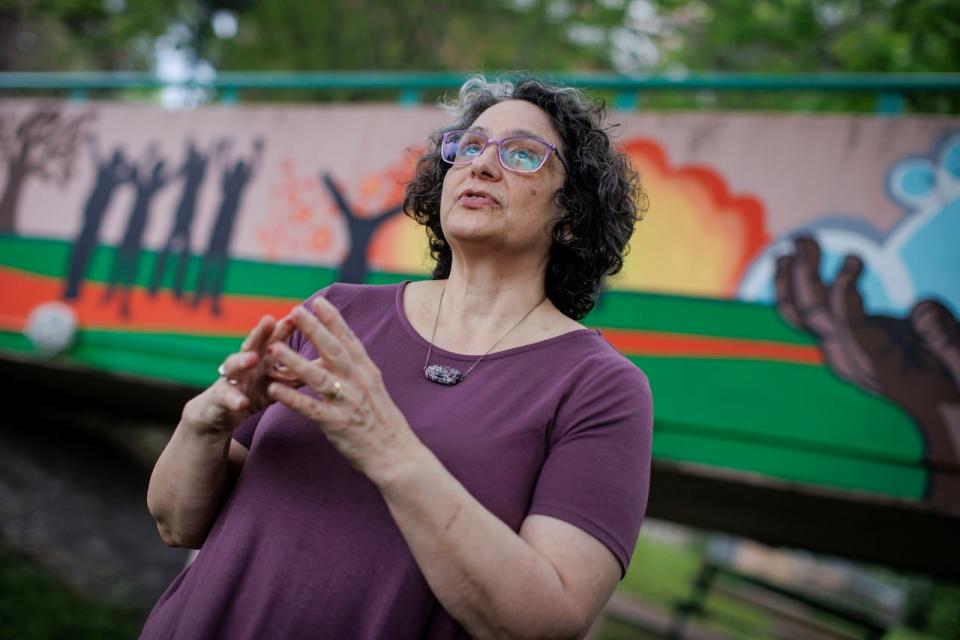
(487, 164)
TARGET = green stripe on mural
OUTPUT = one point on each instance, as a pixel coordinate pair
(616, 309)
(771, 401)
(244, 277)
(186, 359)
(792, 464)
(701, 316)
(15, 342)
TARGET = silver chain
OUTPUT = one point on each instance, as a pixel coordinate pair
(436, 321)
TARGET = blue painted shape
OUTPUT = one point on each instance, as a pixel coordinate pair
(932, 256)
(951, 160)
(918, 182)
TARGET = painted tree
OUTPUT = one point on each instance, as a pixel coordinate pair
(354, 267)
(44, 144)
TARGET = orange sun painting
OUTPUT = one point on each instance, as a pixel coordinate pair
(400, 244)
(697, 238)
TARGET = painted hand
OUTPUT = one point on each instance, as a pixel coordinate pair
(343, 392)
(913, 361)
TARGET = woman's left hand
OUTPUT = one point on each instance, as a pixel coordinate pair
(351, 406)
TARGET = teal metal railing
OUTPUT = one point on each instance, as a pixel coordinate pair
(889, 90)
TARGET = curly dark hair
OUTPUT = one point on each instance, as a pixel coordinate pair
(600, 201)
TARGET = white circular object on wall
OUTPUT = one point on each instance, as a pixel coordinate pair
(52, 327)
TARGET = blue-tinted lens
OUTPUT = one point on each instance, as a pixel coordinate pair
(463, 146)
(448, 148)
(523, 154)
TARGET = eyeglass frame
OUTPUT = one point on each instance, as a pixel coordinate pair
(551, 148)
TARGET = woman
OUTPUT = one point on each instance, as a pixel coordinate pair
(435, 459)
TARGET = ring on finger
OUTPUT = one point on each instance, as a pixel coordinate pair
(336, 392)
(223, 374)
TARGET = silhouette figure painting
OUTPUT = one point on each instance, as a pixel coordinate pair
(912, 361)
(213, 268)
(148, 178)
(110, 174)
(193, 170)
(354, 267)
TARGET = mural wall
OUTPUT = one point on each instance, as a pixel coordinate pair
(793, 291)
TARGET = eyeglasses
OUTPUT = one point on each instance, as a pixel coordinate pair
(521, 154)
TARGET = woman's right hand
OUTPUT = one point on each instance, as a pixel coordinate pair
(241, 388)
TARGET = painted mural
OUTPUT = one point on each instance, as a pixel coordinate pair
(793, 291)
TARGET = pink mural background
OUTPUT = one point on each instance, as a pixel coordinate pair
(721, 186)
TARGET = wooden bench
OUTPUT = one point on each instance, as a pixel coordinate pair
(639, 615)
(796, 608)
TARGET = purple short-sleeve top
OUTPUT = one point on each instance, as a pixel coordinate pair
(304, 546)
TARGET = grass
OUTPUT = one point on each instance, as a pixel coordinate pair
(34, 606)
(662, 575)
(660, 572)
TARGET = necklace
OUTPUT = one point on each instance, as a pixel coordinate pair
(449, 376)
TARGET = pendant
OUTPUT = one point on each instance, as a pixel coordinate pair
(442, 375)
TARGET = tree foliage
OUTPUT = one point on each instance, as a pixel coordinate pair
(434, 35)
(804, 36)
(631, 36)
(822, 36)
(720, 35)
(43, 35)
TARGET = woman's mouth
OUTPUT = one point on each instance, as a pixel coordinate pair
(477, 199)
